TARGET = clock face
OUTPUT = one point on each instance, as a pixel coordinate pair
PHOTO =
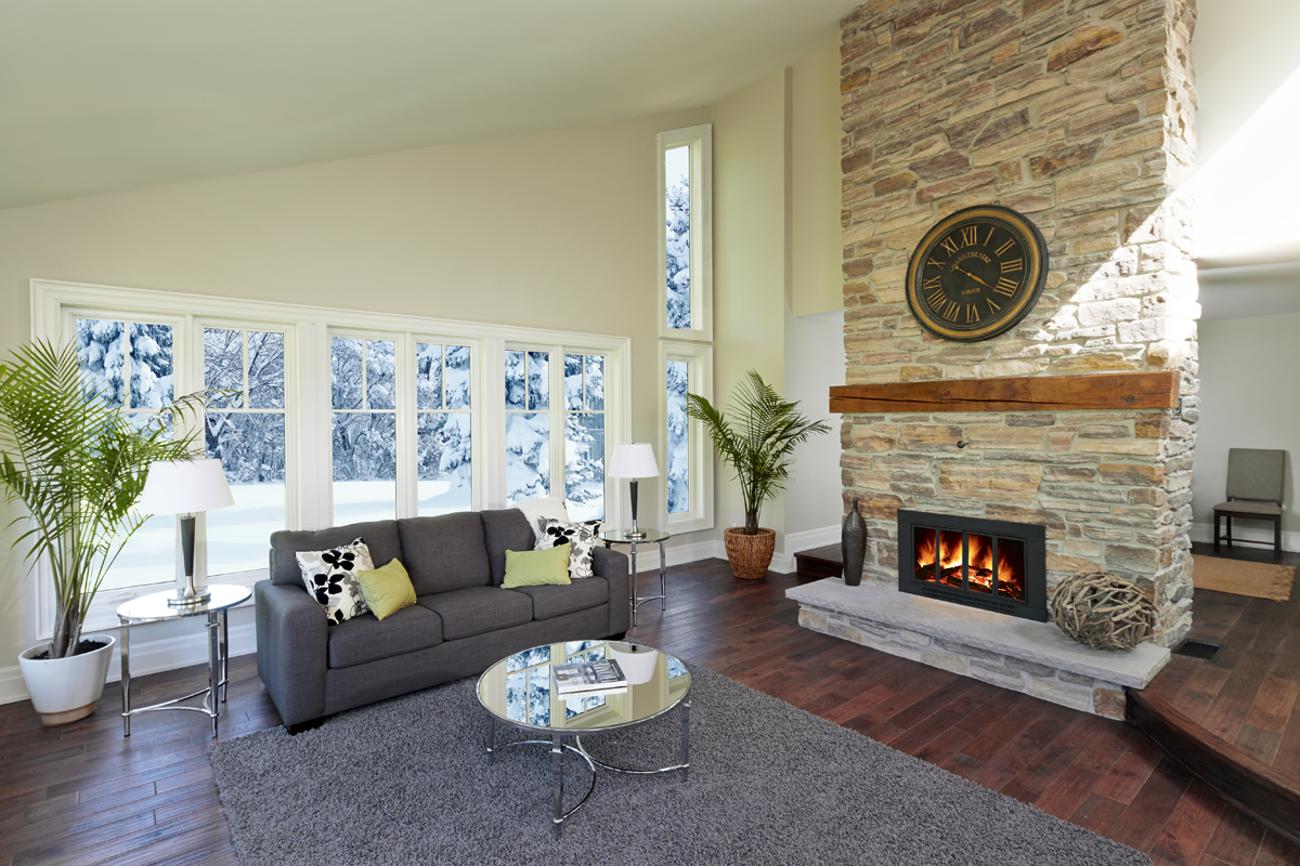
(976, 273)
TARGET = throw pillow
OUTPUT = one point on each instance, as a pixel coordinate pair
(538, 511)
(331, 578)
(386, 589)
(581, 537)
(548, 567)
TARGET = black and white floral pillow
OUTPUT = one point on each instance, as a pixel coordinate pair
(582, 536)
(331, 578)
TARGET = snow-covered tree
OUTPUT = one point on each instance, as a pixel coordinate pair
(679, 500)
(677, 252)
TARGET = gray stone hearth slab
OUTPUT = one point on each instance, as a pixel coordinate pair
(1037, 643)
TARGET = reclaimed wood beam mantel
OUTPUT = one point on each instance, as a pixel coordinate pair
(1136, 390)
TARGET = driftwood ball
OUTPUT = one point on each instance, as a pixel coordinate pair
(1103, 611)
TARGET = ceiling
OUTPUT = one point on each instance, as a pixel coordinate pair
(103, 96)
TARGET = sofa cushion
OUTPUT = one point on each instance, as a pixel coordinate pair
(365, 639)
(504, 530)
(443, 553)
(478, 609)
(552, 601)
(380, 537)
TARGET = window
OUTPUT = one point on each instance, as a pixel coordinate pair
(444, 452)
(686, 368)
(685, 239)
(528, 425)
(244, 428)
(323, 417)
(364, 449)
(584, 436)
(132, 366)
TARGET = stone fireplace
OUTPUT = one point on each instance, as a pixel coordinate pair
(1078, 115)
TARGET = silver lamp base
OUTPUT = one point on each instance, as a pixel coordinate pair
(189, 595)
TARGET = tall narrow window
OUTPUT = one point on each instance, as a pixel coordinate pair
(444, 457)
(584, 436)
(132, 366)
(685, 237)
(244, 428)
(364, 399)
(528, 425)
(679, 460)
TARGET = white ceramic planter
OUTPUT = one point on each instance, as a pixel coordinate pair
(64, 690)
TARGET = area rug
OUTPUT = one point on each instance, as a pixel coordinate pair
(407, 781)
(1240, 577)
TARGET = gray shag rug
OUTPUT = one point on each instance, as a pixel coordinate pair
(407, 781)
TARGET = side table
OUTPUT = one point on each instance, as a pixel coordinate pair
(647, 536)
(154, 608)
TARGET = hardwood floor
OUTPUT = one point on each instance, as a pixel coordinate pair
(84, 795)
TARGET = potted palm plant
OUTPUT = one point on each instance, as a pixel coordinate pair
(757, 439)
(76, 467)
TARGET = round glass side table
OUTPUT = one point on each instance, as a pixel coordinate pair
(154, 608)
(645, 536)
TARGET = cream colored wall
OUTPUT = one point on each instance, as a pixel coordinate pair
(749, 254)
(1246, 368)
(553, 230)
(817, 249)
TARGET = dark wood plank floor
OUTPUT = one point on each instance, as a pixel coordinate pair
(83, 795)
(1250, 693)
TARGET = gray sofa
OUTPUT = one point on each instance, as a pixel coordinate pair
(464, 620)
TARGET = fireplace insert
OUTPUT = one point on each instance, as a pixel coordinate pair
(991, 564)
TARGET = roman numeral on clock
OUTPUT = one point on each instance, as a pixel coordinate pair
(1013, 265)
(936, 298)
(968, 236)
(1006, 286)
(950, 309)
(931, 283)
(972, 314)
(993, 306)
(1006, 246)
(949, 244)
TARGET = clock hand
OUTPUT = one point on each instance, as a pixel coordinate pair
(967, 273)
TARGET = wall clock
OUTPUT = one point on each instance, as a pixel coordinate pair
(976, 273)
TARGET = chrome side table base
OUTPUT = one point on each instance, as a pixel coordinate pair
(558, 748)
(634, 601)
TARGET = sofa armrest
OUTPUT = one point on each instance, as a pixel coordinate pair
(612, 565)
(292, 638)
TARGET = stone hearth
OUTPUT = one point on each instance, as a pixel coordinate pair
(1017, 654)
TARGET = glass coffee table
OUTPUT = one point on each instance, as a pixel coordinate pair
(518, 691)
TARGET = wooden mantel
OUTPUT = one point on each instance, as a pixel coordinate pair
(1136, 390)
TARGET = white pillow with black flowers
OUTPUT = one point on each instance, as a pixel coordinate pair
(331, 578)
(582, 536)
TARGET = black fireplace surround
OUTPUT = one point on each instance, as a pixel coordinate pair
(989, 564)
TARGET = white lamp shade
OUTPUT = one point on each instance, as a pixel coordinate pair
(633, 460)
(185, 487)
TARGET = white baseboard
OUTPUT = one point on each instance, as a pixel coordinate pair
(147, 657)
(1253, 532)
(783, 562)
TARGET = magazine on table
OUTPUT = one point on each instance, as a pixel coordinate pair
(587, 676)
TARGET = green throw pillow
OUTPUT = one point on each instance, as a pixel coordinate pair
(386, 589)
(537, 567)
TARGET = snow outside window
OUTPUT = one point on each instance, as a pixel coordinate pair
(364, 444)
(687, 368)
(444, 453)
(528, 425)
(244, 428)
(685, 237)
(132, 366)
(584, 436)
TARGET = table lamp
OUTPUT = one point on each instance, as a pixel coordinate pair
(185, 488)
(633, 460)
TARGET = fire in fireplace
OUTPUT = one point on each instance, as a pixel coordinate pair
(990, 564)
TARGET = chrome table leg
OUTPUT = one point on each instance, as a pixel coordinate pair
(225, 654)
(214, 670)
(686, 740)
(126, 679)
(663, 578)
(557, 784)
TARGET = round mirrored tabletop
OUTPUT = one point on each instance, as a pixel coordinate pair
(624, 536)
(154, 607)
(519, 689)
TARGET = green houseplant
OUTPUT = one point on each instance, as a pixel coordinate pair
(75, 466)
(757, 438)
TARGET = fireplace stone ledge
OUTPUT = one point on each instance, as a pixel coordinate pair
(1035, 658)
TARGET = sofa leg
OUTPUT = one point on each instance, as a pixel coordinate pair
(294, 730)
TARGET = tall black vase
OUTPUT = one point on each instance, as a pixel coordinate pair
(853, 545)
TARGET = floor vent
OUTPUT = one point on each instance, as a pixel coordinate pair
(1198, 649)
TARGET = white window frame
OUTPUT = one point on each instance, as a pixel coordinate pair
(476, 385)
(700, 141)
(308, 423)
(699, 360)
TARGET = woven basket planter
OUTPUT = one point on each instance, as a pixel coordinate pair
(750, 555)
(1103, 611)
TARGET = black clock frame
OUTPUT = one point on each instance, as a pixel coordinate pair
(1011, 221)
